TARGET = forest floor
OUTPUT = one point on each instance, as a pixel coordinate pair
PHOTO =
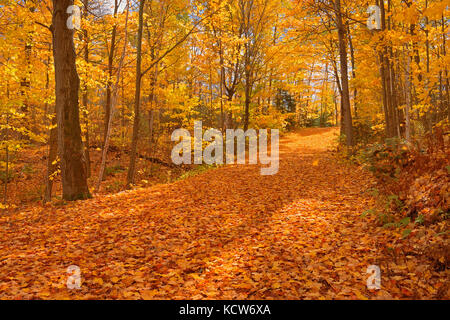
(228, 233)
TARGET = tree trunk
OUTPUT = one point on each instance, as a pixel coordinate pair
(385, 72)
(222, 79)
(5, 190)
(113, 105)
(247, 100)
(53, 143)
(51, 161)
(447, 86)
(346, 111)
(67, 84)
(352, 58)
(137, 98)
(85, 94)
(408, 98)
(109, 84)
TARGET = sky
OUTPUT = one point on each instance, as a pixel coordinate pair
(122, 4)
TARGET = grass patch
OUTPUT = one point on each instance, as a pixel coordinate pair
(197, 170)
(110, 171)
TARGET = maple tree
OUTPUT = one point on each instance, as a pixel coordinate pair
(89, 112)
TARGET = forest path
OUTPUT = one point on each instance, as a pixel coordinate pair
(229, 233)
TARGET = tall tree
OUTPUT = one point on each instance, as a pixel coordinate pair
(67, 84)
(113, 103)
(137, 96)
(109, 83)
(343, 59)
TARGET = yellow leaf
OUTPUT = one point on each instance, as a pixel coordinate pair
(115, 279)
(148, 294)
(359, 295)
(195, 276)
(44, 294)
(98, 281)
